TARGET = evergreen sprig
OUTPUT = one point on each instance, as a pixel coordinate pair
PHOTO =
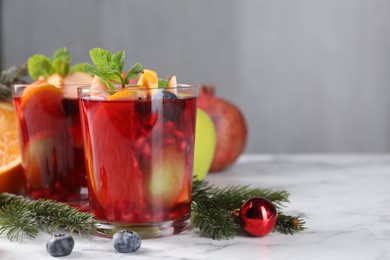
(213, 213)
(213, 208)
(20, 216)
(8, 77)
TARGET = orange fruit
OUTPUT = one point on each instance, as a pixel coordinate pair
(11, 173)
(148, 79)
(41, 109)
(125, 94)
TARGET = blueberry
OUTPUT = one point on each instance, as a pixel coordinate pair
(126, 241)
(172, 106)
(166, 95)
(60, 245)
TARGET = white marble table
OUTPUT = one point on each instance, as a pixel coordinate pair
(345, 200)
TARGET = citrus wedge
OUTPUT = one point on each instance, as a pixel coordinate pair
(125, 94)
(148, 79)
(11, 173)
(41, 108)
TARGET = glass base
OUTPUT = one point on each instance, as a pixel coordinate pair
(146, 230)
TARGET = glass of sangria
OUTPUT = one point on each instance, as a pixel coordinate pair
(51, 142)
(139, 145)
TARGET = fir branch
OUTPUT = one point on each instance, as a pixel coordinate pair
(233, 197)
(20, 216)
(213, 221)
(17, 220)
(211, 203)
(54, 216)
(289, 224)
(8, 77)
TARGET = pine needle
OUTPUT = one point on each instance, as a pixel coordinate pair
(213, 221)
(20, 216)
(289, 224)
(213, 209)
(17, 220)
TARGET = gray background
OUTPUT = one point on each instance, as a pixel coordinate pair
(309, 75)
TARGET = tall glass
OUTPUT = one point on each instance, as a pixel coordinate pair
(51, 142)
(139, 152)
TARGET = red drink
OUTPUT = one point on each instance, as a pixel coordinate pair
(140, 159)
(51, 143)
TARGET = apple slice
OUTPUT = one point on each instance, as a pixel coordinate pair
(172, 85)
(55, 79)
(99, 88)
(45, 158)
(74, 80)
(167, 176)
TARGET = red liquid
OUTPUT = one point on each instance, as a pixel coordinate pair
(52, 150)
(139, 158)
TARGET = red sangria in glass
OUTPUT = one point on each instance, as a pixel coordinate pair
(51, 141)
(139, 145)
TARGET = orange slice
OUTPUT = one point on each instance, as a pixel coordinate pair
(148, 79)
(125, 94)
(41, 109)
(45, 93)
(11, 174)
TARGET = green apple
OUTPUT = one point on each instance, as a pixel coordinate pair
(167, 177)
(205, 141)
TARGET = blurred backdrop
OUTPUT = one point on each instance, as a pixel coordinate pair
(309, 75)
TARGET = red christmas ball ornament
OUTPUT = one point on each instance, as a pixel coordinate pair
(258, 216)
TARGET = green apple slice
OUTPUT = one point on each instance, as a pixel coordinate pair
(167, 176)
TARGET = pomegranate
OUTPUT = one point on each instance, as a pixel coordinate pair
(230, 126)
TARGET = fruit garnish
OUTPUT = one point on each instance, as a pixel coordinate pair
(109, 67)
(39, 106)
(148, 79)
(43, 95)
(124, 94)
(11, 174)
(167, 176)
(99, 88)
(172, 82)
(165, 95)
(41, 157)
(40, 65)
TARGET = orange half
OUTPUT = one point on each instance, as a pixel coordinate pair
(11, 173)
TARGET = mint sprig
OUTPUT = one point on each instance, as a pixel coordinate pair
(40, 65)
(109, 67)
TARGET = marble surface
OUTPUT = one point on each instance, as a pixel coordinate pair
(345, 200)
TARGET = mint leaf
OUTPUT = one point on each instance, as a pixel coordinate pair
(119, 60)
(105, 76)
(101, 58)
(77, 67)
(162, 83)
(134, 72)
(109, 67)
(61, 67)
(61, 54)
(39, 65)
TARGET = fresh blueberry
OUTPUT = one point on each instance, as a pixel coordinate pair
(60, 245)
(172, 106)
(166, 95)
(126, 241)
